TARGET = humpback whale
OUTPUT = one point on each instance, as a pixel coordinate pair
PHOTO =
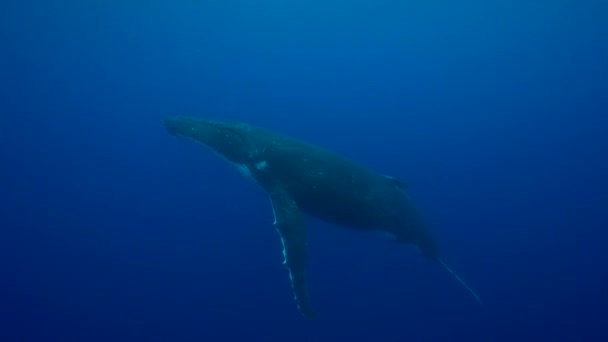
(305, 179)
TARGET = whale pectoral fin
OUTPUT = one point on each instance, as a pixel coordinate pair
(289, 222)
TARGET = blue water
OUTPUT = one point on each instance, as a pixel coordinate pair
(494, 112)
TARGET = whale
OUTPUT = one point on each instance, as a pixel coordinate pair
(303, 179)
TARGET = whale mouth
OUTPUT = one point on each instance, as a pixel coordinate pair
(170, 125)
(225, 138)
(177, 125)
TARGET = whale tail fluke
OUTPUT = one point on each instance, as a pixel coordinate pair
(467, 287)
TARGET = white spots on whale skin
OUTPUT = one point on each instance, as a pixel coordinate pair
(285, 255)
(285, 263)
(293, 285)
(244, 169)
(261, 165)
(254, 153)
(275, 218)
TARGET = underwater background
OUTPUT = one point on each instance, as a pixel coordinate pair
(494, 112)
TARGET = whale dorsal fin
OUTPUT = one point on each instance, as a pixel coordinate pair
(289, 222)
(398, 182)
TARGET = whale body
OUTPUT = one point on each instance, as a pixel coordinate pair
(305, 179)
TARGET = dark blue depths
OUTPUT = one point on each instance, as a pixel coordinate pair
(494, 112)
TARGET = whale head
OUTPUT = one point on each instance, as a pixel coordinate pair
(227, 138)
